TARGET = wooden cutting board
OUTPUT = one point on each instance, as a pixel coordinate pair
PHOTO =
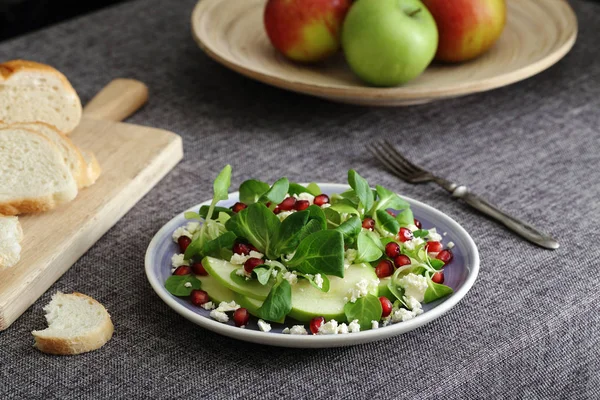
(133, 159)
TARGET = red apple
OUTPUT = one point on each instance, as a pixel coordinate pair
(467, 28)
(305, 30)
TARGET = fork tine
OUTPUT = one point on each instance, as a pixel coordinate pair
(391, 159)
(393, 151)
(386, 163)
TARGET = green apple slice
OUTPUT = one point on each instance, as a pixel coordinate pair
(252, 305)
(215, 290)
(225, 273)
(309, 302)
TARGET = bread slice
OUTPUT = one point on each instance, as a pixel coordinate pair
(33, 175)
(11, 236)
(31, 92)
(71, 154)
(76, 324)
(83, 165)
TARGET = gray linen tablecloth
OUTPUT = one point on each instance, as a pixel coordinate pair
(529, 328)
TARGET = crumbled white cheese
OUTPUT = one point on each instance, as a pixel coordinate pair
(374, 324)
(433, 235)
(342, 328)
(387, 320)
(291, 277)
(326, 205)
(329, 328)
(413, 304)
(177, 260)
(288, 257)
(411, 244)
(349, 257)
(242, 272)
(361, 289)
(305, 196)
(238, 259)
(319, 281)
(298, 330)
(193, 227)
(414, 286)
(274, 273)
(208, 305)
(256, 254)
(188, 284)
(226, 307)
(181, 231)
(284, 214)
(445, 233)
(219, 316)
(354, 326)
(264, 326)
(286, 331)
(412, 227)
(450, 245)
(402, 314)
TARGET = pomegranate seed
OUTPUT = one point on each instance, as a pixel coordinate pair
(182, 270)
(445, 255)
(287, 204)
(386, 306)
(199, 297)
(241, 317)
(198, 269)
(438, 277)
(252, 248)
(433, 247)
(401, 260)
(252, 263)
(276, 210)
(418, 223)
(321, 199)
(392, 249)
(302, 205)
(241, 248)
(391, 213)
(368, 223)
(405, 235)
(384, 269)
(315, 324)
(183, 243)
(237, 207)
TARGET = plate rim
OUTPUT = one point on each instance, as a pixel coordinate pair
(368, 95)
(314, 341)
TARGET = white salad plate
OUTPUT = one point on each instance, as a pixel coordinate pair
(460, 275)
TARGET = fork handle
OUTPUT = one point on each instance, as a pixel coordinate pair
(516, 225)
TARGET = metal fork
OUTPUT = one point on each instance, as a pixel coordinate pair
(396, 163)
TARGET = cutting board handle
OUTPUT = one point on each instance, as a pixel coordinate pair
(117, 100)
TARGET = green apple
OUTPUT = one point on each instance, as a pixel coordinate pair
(389, 42)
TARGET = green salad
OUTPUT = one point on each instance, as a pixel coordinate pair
(288, 253)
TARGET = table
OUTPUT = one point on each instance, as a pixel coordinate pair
(529, 328)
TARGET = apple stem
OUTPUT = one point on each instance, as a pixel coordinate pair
(415, 12)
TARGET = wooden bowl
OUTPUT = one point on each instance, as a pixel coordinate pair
(537, 35)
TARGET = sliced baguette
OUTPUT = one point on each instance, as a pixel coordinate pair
(71, 154)
(31, 92)
(76, 324)
(83, 164)
(11, 236)
(33, 175)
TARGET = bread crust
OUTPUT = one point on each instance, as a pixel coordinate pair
(92, 340)
(37, 204)
(10, 68)
(80, 174)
